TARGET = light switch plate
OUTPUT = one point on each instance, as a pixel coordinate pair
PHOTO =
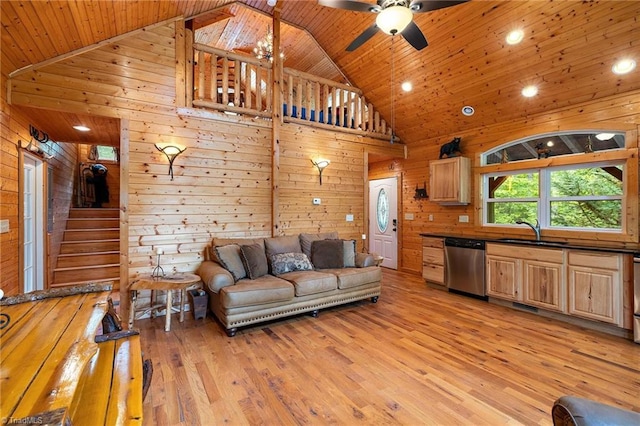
(4, 226)
(349, 218)
(463, 218)
(408, 216)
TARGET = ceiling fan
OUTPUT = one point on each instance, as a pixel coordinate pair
(394, 16)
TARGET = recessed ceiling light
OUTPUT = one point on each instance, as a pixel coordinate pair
(604, 136)
(468, 110)
(623, 66)
(515, 37)
(549, 143)
(407, 86)
(529, 91)
(82, 128)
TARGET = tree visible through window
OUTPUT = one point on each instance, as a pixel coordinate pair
(581, 196)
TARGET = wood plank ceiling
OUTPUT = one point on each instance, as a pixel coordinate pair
(568, 50)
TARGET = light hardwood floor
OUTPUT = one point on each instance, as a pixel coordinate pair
(418, 356)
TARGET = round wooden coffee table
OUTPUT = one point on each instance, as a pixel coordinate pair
(181, 282)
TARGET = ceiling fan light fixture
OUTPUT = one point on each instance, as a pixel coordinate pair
(394, 19)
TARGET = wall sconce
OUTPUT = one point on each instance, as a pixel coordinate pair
(321, 164)
(421, 193)
(171, 151)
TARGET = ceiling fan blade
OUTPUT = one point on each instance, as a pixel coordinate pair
(414, 36)
(362, 38)
(421, 6)
(356, 6)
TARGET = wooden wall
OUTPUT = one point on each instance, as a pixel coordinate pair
(222, 183)
(15, 132)
(621, 112)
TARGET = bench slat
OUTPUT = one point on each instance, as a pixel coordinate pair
(125, 405)
(55, 383)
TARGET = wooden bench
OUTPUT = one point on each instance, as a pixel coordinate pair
(58, 369)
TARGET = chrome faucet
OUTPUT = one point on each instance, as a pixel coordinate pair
(535, 228)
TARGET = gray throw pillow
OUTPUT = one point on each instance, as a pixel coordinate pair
(327, 254)
(229, 257)
(349, 253)
(254, 260)
(288, 262)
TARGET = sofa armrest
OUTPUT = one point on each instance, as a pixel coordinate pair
(214, 276)
(364, 259)
(571, 411)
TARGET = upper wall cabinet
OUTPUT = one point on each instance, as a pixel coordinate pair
(450, 180)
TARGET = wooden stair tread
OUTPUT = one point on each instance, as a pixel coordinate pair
(93, 253)
(90, 241)
(74, 268)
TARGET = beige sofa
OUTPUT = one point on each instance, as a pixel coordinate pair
(255, 280)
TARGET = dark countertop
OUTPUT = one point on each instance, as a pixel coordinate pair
(594, 246)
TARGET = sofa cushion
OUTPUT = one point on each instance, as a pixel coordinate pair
(287, 262)
(349, 253)
(327, 254)
(229, 257)
(277, 245)
(266, 289)
(307, 239)
(226, 241)
(311, 282)
(254, 260)
(353, 277)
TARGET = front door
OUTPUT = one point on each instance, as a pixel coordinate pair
(383, 220)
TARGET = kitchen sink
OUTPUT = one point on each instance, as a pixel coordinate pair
(532, 242)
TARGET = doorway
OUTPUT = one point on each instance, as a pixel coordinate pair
(33, 264)
(383, 220)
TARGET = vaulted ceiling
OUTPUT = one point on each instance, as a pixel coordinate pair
(568, 50)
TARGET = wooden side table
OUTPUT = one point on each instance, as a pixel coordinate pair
(181, 282)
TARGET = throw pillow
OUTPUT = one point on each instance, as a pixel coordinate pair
(349, 253)
(307, 239)
(254, 260)
(229, 257)
(327, 254)
(288, 262)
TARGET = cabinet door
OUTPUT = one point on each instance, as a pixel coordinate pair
(543, 285)
(595, 294)
(449, 180)
(503, 278)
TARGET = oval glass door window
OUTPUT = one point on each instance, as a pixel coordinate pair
(383, 210)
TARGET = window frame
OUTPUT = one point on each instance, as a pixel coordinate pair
(545, 198)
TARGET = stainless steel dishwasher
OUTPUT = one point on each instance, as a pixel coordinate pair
(464, 266)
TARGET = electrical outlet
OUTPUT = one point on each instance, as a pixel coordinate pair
(430, 218)
(463, 218)
(316, 201)
(4, 226)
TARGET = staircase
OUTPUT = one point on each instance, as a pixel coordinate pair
(90, 250)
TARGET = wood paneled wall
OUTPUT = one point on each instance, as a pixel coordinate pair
(620, 112)
(15, 132)
(222, 183)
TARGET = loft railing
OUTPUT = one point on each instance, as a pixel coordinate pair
(228, 82)
(240, 84)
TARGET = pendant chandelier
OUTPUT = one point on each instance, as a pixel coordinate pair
(264, 47)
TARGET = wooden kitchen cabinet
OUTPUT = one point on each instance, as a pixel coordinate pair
(450, 180)
(502, 272)
(433, 260)
(530, 275)
(543, 282)
(595, 286)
